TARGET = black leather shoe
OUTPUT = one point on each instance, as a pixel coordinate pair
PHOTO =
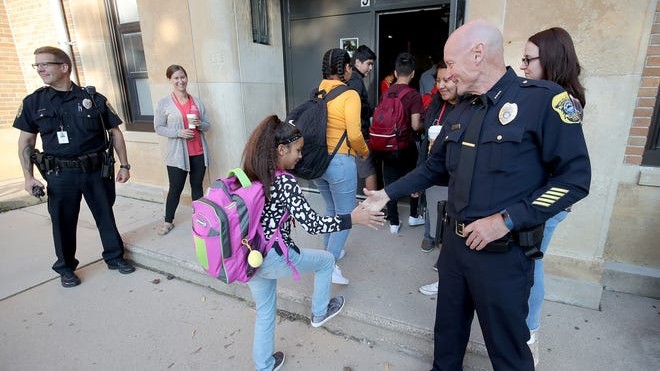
(69, 279)
(123, 266)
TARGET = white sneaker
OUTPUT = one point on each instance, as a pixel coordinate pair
(341, 254)
(394, 229)
(412, 221)
(533, 344)
(337, 277)
(430, 289)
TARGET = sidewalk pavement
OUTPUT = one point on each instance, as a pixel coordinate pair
(383, 310)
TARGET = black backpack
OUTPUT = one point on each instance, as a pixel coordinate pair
(311, 118)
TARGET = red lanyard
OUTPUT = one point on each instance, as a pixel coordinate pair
(183, 108)
(442, 111)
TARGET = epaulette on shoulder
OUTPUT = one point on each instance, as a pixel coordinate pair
(545, 84)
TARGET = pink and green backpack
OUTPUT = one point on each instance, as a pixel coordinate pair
(226, 228)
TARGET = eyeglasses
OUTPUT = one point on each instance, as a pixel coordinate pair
(44, 64)
(526, 60)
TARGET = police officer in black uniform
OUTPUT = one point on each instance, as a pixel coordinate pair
(515, 155)
(72, 122)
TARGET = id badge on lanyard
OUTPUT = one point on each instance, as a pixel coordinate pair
(62, 136)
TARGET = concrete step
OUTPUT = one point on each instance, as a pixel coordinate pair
(383, 306)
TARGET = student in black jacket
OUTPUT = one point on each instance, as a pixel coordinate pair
(363, 62)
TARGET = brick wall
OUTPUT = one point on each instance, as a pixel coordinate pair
(32, 26)
(25, 26)
(646, 96)
(13, 86)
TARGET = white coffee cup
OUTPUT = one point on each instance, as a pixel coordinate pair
(191, 117)
(434, 131)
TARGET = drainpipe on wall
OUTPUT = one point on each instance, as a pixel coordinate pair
(62, 34)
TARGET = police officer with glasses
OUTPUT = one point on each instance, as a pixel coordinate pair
(76, 161)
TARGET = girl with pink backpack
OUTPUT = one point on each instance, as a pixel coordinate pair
(275, 146)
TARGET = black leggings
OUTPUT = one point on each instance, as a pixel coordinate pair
(395, 165)
(177, 179)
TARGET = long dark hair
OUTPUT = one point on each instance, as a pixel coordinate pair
(334, 63)
(559, 60)
(260, 153)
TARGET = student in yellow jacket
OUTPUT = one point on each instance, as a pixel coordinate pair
(338, 185)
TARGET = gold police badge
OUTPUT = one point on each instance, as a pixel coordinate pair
(508, 112)
(563, 105)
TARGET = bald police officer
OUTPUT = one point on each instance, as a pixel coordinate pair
(72, 123)
(515, 155)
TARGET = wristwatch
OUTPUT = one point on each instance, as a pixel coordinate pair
(127, 166)
(507, 219)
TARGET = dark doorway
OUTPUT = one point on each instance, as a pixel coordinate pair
(420, 32)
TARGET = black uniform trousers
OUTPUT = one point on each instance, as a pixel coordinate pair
(65, 190)
(497, 286)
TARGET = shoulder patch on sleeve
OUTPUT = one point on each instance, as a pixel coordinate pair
(563, 105)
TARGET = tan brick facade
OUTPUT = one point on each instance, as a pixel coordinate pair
(29, 21)
(13, 85)
(646, 96)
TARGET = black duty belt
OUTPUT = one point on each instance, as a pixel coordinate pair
(88, 163)
(67, 163)
(528, 239)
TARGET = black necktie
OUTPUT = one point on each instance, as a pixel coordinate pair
(469, 154)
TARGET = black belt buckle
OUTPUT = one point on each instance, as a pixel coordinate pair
(459, 229)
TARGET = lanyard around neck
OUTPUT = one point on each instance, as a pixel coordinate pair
(442, 111)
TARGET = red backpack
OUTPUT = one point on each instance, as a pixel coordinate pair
(390, 129)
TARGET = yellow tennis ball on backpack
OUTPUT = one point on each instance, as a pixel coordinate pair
(255, 259)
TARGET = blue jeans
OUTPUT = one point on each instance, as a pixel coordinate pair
(338, 186)
(264, 292)
(538, 290)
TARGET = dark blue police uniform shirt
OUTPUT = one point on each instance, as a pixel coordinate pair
(45, 113)
(532, 158)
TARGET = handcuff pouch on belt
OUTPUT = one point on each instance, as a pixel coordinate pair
(91, 162)
(529, 241)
